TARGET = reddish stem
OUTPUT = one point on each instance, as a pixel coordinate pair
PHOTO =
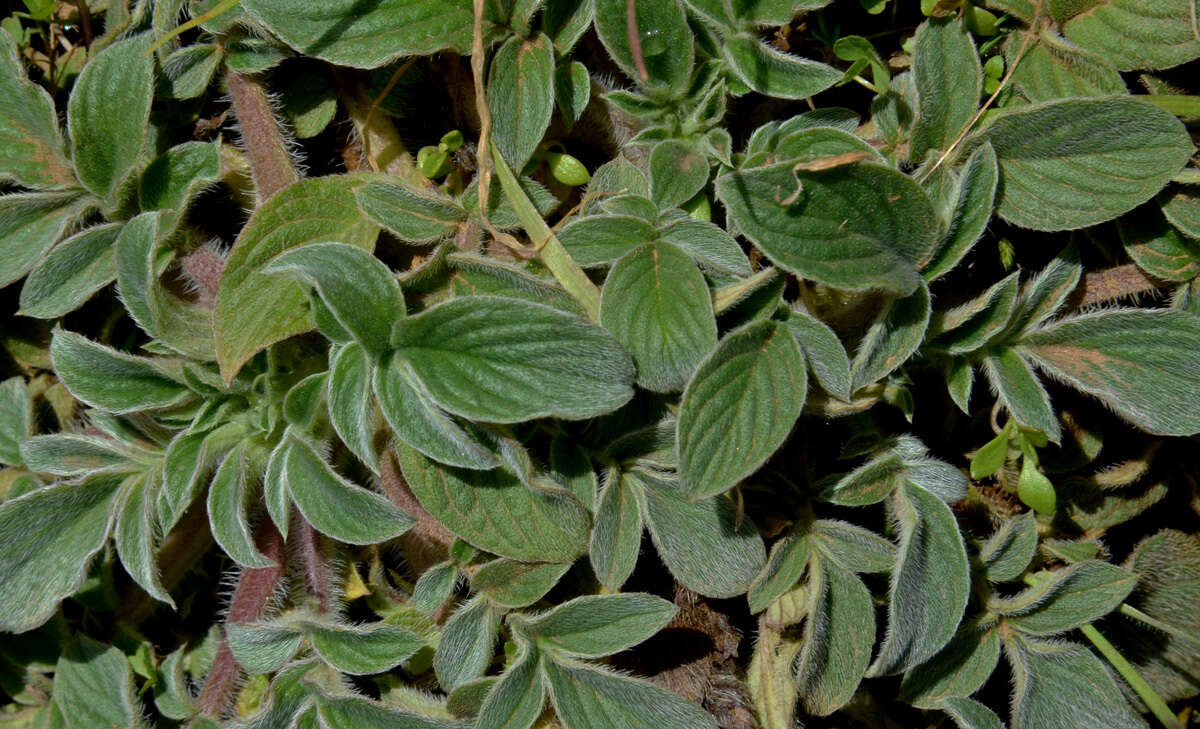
(313, 555)
(635, 39)
(266, 148)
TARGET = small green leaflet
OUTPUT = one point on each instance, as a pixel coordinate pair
(594, 626)
(521, 96)
(110, 380)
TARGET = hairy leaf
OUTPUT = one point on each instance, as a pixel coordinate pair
(785, 564)
(16, 419)
(74, 270)
(31, 146)
(824, 352)
(1007, 553)
(351, 409)
(511, 584)
(586, 697)
(838, 637)
(616, 537)
(665, 42)
(229, 509)
(30, 224)
(949, 81)
(263, 648)
(521, 96)
(1136, 34)
(364, 650)
(852, 547)
(770, 72)
(977, 184)
(594, 626)
(892, 338)
(110, 380)
(93, 687)
(1067, 598)
(957, 670)
(135, 535)
(466, 645)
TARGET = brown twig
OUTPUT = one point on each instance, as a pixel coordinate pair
(85, 21)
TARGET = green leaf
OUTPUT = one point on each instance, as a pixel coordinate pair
(31, 146)
(188, 71)
(854, 226)
(173, 180)
(1139, 362)
(536, 361)
(1021, 392)
(977, 184)
(336, 507)
(351, 410)
(305, 401)
(16, 419)
(709, 245)
(420, 423)
(345, 33)
(353, 712)
(957, 670)
(360, 291)
(110, 380)
(253, 309)
(1051, 68)
(30, 224)
(1068, 598)
(772, 73)
(364, 650)
(785, 564)
(511, 584)
(838, 637)
(466, 645)
(517, 698)
(74, 270)
(229, 509)
(970, 714)
(520, 95)
(586, 696)
(992, 456)
(892, 338)
(678, 170)
(1181, 206)
(739, 407)
(596, 240)
(616, 537)
(1042, 296)
(594, 626)
(852, 547)
(1157, 248)
(434, 587)
(665, 41)
(1007, 553)
(949, 81)
(494, 511)
(73, 454)
(135, 535)
(107, 114)
(657, 305)
(188, 458)
(1034, 489)
(310, 101)
(1064, 685)
(572, 90)
(703, 543)
(1137, 34)
(263, 647)
(930, 583)
(969, 326)
(824, 352)
(93, 687)
(1105, 157)
(47, 538)
(415, 217)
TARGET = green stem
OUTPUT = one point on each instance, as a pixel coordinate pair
(216, 10)
(553, 254)
(1148, 695)
(1132, 612)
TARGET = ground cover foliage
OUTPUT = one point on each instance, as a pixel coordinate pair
(664, 364)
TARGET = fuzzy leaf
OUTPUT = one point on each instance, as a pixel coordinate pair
(30, 224)
(357, 288)
(1157, 248)
(93, 687)
(892, 338)
(229, 507)
(572, 90)
(855, 226)
(976, 195)
(1139, 362)
(511, 584)
(838, 637)
(348, 34)
(772, 73)
(1052, 68)
(666, 42)
(536, 361)
(74, 270)
(616, 536)
(949, 80)
(355, 712)
(108, 109)
(110, 380)
(1064, 685)
(521, 96)
(47, 538)
(517, 698)
(1021, 392)
(31, 146)
(351, 411)
(173, 180)
(135, 535)
(739, 407)
(1042, 296)
(465, 649)
(16, 419)
(263, 648)
(785, 564)
(824, 352)
(493, 510)
(590, 697)
(657, 305)
(420, 423)
(73, 454)
(970, 714)
(709, 245)
(930, 583)
(703, 543)
(852, 547)
(594, 626)
(1136, 34)
(596, 240)
(253, 309)
(1068, 598)
(678, 170)
(1007, 553)
(1105, 157)
(336, 507)
(415, 217)
(364, 650)
(959, 669)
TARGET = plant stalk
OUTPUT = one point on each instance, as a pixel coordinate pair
(1144, 691)
(266, 148)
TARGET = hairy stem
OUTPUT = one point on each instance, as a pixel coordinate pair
(250, 600)
(266, 148)
(314, 557)
(428, 542)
